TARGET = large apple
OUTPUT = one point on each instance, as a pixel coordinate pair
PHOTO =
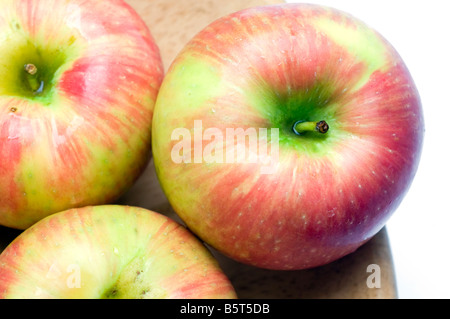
(110, 251)
(338, 124)
(78, 84)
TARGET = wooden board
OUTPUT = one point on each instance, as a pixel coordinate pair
(173, 23)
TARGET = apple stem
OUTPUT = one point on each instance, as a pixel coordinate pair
(32, 78)
(320, 127)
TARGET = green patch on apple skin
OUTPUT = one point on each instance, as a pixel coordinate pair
(51, 60)
(365, 44)
(286, 109)
(192, 83)
(189, 85)
(135, 282)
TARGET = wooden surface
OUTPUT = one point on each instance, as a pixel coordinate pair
(173, 23)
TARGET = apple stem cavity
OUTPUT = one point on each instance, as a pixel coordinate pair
(301, 127)
(32, 78)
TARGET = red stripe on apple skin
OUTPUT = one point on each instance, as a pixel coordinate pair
(208, 285)
(9, 269)
(394, 128)
(181, 284)
(393, 94)
(10, 154)
(20, 152)
(296, 57)
(108, 88)
(118, 18)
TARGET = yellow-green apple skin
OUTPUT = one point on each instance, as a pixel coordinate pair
(110, 251)
(81, 135)
(272, 67)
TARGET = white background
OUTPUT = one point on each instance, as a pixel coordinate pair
(419, 230)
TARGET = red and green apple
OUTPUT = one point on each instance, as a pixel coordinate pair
(349, 132)
(110, 251)
(77, 92)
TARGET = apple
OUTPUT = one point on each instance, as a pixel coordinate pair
(346, 133)
(78, 87)
(110, 251)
